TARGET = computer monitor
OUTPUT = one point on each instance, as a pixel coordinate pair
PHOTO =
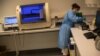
(33, 16)
(97, 21)
(10, 21)
(32, 13)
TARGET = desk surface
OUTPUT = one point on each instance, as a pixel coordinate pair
(28, 31)
(85, 46)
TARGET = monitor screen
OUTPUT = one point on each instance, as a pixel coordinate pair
(97, 22)
(32, 13)
(10, 20)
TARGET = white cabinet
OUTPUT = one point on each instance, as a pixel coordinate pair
(12, 42)
(29, 41)
(92, 3)
(40, 40)
(9, 42)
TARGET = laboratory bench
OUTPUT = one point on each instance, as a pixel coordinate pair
(28, 31)
(83, 46)
(30, 39)
(46, 38)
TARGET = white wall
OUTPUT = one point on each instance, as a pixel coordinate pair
(57, 7)
(0, 11)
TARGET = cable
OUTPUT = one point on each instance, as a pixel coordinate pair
(15, 41)
(23, 37)
(18, 36)
(16, 46)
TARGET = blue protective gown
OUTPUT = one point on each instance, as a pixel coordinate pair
(64, 34)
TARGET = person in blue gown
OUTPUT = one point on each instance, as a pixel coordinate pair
(65, 30)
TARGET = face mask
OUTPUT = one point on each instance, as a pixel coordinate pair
(75, 11)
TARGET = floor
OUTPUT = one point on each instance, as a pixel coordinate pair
(42, 52)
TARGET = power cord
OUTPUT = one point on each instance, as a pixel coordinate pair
(15, 40)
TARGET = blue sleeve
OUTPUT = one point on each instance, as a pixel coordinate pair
(73, 17)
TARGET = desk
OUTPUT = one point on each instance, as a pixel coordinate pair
(32, 39)
(28, 31)
(86, 47)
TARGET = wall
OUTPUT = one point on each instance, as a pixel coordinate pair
(0, 12)
(57, 7)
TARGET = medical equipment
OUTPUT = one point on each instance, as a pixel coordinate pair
(33, 16)
(10, 22)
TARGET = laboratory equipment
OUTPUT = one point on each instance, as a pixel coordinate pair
(10, 23)
(97, 20)
(33, 16)
(79, 14)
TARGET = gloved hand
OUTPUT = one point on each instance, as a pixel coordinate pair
(80, 20)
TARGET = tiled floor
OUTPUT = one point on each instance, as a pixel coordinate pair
(43, 52)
